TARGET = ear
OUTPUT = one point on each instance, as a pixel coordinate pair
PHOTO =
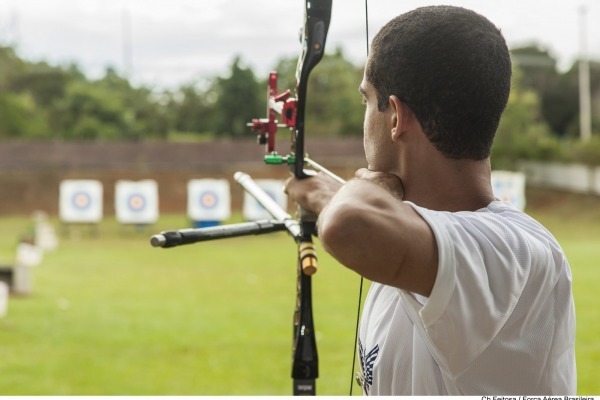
(398, 117)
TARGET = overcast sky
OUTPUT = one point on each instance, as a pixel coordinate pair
(169, 42)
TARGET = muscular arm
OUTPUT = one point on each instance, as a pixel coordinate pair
(367, 228)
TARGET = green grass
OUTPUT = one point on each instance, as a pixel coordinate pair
(110, 315)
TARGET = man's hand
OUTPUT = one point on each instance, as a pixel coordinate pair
(312, 194)
(389, 182)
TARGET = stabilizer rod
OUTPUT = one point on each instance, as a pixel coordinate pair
(187, 236)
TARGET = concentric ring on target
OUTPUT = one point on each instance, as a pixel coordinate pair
(136, 202)
(209, 199)
(81, 200)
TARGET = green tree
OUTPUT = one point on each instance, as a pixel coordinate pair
(45, 83)
(537, 66)
(333, 105)
(561, 104)
(143, 116)
(522, 132)
(239, 99)
(192, 109)
(19, 117)
(17, 110)
(558, 93)
(90, 112)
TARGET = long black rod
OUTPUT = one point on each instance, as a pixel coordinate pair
(188, 236)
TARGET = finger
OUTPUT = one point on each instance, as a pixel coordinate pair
(361, 173)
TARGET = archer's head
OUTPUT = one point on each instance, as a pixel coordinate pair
(451, 67)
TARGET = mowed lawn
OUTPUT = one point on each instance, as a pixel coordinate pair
(110, 315)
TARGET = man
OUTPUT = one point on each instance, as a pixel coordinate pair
(469, 296)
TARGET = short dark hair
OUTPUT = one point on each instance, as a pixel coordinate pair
(452, 68)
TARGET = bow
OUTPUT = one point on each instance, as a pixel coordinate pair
(305, 368)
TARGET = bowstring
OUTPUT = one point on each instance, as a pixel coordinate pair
(360, 289)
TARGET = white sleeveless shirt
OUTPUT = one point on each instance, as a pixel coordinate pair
(500, 319)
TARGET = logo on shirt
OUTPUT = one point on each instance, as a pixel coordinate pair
(365, 378)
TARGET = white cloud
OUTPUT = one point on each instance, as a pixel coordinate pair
(174, 41)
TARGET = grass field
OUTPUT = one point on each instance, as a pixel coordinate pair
(110, 315)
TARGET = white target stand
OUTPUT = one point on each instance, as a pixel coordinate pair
(136, 202)
(208, 202)
(80, 202)
(253, 211)
(510, 187)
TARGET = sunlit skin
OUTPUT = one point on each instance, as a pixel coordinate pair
(366, 225)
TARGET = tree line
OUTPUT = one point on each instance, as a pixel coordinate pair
(43, 101)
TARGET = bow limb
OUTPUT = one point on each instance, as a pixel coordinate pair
(314, 35)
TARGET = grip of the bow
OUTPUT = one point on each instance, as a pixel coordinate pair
(308, 257)
(306, 248)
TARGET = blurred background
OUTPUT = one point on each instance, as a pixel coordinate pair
(113, 91)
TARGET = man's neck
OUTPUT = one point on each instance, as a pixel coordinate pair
(449, 185)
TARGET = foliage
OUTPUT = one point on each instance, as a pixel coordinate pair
(333, 106)
(525, 134)
(41, 101)
(586, 152)
(558, 92)
(522, 132)
(240, 97)
(191, 110)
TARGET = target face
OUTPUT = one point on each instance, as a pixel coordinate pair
(208, 200)
(271, 195)
(80, 201)
(504, 192)
(136, 202)
(509, 187)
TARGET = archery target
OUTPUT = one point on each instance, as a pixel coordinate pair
(509, 187)
(252, 210)
(136, 202)
(80, 200)
(208, 200)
